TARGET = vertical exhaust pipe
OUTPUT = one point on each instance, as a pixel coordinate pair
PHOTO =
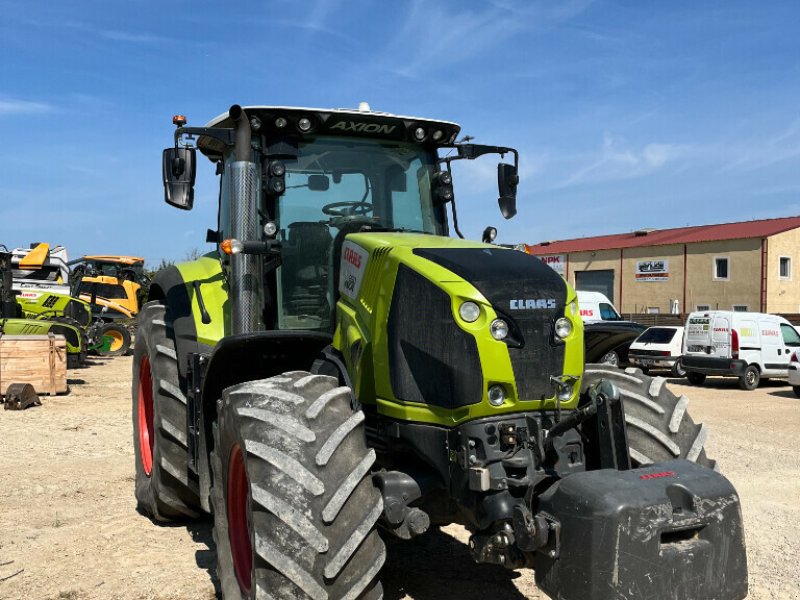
(247, 285)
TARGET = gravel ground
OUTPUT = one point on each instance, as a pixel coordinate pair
(69, 528)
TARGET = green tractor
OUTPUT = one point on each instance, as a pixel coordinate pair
(103, 338)
(13, 321)
(340, 366)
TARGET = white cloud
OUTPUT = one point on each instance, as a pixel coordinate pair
(617, 160)
(13, 106)
(433, 36)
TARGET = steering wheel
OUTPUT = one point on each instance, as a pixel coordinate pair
(348, 208)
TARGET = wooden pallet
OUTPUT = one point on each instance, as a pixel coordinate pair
(40, 360)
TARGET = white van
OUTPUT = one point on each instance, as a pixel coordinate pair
(594, 306)
(738, 344)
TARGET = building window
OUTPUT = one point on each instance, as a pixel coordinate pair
(653, 310)
(785, 267)
(740, 308)
(702, 307)
(721, 270)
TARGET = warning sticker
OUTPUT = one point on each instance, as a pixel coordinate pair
(354, 262)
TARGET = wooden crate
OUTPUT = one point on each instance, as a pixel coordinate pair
(40, 360)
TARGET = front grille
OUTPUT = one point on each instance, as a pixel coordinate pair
(79, 312)
(431, 359)
(509, 280)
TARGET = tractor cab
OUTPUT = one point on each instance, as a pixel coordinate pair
(314, 177)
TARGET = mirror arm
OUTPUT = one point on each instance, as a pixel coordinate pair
(453, 208)
(226, 136)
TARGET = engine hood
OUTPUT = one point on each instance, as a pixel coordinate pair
(402, 292)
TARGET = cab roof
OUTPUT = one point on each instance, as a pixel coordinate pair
(361, 122)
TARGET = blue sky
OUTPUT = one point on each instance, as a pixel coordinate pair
(626, 114)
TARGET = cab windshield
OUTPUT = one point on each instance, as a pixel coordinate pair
(338, 186)
(337, 181)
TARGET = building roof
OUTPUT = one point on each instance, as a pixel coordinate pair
(664, 237)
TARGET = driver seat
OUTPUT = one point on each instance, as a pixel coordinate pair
(306, 267)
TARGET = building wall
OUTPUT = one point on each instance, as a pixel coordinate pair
(783, 295)
(642, 294)
(743, 286)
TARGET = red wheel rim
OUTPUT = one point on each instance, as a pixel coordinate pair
(146, 434)
(238, 529)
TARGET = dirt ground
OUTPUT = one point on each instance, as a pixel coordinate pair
(69, 528)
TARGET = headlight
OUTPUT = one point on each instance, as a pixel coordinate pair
(563, 327)
(469, 311)
(499, 329)
(497, 395)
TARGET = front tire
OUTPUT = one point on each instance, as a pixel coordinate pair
(294, 504)
(659, 428)
(796, 390)
(678, 370)
(610, 358)
(165, 490)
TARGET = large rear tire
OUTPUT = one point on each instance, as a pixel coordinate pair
(659, 428)
(294, 504)
(165, 489)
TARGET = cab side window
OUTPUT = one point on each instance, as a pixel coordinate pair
(790, 336)
(607, 312)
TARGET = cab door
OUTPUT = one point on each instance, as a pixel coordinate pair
(721, 337)
(791, 342)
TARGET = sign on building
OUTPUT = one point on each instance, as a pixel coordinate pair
(557, 262)
(652, 270)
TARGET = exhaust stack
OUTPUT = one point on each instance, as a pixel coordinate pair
(247, 286)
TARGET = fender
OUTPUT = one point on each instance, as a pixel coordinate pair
(175, 288)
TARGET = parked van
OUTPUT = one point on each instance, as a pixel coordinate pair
(595, 306)
(747, 345)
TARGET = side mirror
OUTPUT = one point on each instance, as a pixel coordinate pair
(178, 169)
(318, 183)
(507, 180)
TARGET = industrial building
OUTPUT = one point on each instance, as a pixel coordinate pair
(747, 266)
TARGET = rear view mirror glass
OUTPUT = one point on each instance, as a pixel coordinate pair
(318, 183)
(178, 169)
(507, 180)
